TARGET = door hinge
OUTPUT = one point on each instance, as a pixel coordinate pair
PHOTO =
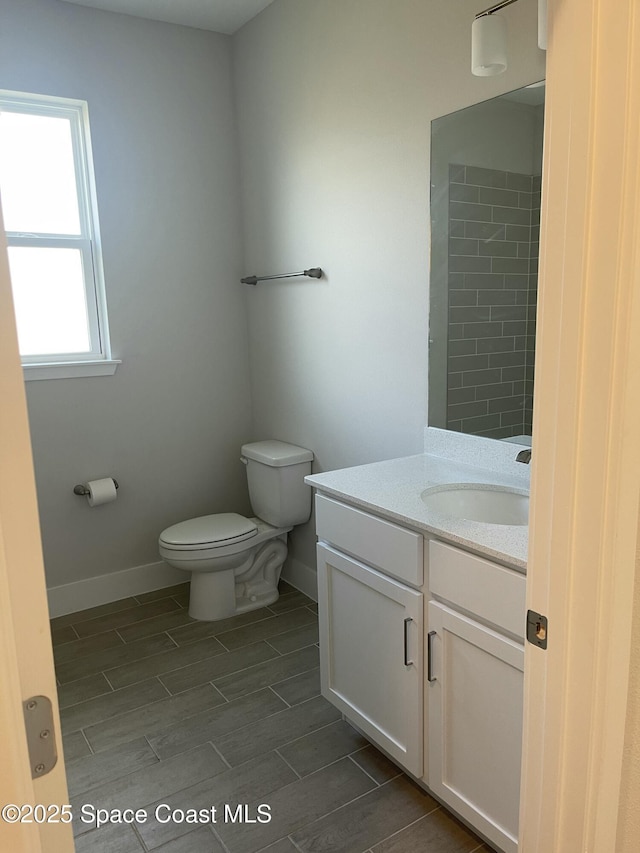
(537, 629)
(41, 739)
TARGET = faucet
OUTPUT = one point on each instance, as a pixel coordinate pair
(524, 456)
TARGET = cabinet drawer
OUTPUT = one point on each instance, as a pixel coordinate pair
(491, 592)
(383, 545)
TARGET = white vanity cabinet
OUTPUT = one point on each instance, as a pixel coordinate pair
(475, 663)
(370, 610)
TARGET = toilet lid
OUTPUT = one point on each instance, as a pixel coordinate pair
(209, 531)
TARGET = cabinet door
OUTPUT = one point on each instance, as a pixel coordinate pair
(371, 653)
(475, 722)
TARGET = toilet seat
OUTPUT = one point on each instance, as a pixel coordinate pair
(208, 531)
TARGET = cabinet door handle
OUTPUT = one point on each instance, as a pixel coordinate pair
(430, 636)
(407, 662)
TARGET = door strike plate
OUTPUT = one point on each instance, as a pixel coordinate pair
(41, 740)
(537, 629)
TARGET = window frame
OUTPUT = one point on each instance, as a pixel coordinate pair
(98, 360)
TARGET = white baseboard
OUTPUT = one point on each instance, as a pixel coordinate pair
(79, 595)
(302, 577)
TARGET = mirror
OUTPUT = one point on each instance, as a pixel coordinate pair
(486, 166)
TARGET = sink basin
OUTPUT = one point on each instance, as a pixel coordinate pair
(484, 502)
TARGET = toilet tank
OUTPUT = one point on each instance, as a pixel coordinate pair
(276, 472)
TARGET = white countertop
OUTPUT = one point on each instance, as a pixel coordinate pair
(392, 489)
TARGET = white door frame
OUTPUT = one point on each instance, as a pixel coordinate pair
(26, 659)
(586, 445)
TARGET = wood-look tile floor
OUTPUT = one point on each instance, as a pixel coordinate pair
(160, 709)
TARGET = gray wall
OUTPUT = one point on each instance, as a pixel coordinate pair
(335, 101)
(170, 422)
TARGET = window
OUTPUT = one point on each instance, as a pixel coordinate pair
(50, 217)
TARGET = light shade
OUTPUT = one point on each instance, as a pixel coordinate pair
(488, 46)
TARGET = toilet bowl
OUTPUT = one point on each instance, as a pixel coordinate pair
(235, 562)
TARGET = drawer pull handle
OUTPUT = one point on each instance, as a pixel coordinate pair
(430, 636)
(407, 662)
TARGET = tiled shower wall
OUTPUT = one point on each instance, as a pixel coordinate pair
(494, 219)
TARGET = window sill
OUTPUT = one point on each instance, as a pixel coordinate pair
(70, 369)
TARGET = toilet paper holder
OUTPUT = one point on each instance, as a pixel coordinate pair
(83, 491)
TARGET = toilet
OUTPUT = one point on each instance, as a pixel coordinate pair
(235, 562)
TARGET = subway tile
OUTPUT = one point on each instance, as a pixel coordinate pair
(456, 228)
(458, 298)
(462, 263)
(485, 177)
(462, 246)
(498, 297)
(509, 312)
(461, 395)
(299, 688)
(156, 625)
(456, 426)
(503, 344)
(219, 666)
(157, 716)
(467, 410)
(510, 265)
(213, 723)
(468, 362)
(516, 181)
(524, 250)
(469, 314)
(367, 821)
(525, 200)
(482, 330)
(474, 426)
(484, 281)
(518, 233)
(95, 770)
(517, 281)
(266, 628)
(103, 708)
(160, 664)
(515, 419)
(506, 359)
(456, 331)
(481, 377)
(506, 404)
(375, 764)
(462, 347)
(437, 831)
(499, 249)
(536, 184)
(92, 613)
(473, 212)
(454, 380)
(165, 592)
(254, 780)
(485, 230)
(111, 838)
(298, 803)
(455, 280)
(71, 670)
(324, 746)
(507, 198)
(296, 639)
(463, 192)
(514, 327)
(493, 392)
(75, 746)
(511, 215)
(457, 173)
(125, 617)
(83, 689)
(263, 674)
(277, 730)
(291, 601)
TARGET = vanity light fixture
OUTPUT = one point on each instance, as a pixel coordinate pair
(489, 39)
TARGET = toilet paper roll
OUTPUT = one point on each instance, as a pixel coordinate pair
(101, 491)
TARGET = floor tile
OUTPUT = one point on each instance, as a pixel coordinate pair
(255, 780)
(200, 841)
(155, 625)
(289, 601)
(166, 592)
(94, 770)
(370, 819)
(92, 613)
(175, 658)
(377, 765)
(153, 783)
(328, 744)
(110, 705)
(83, 689)
(113, 838)
(267, 628)
(79, 648)
(298, 804)
(59, 636)
(264, 674)
(296, 639)
(199, 630)
(276, 730)
(215, 722)
(438, 832)
(100, 661)
(137, 613)
(217, 667)
(153, 718)
(299, 688)
(75, 746)
(284, 845)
